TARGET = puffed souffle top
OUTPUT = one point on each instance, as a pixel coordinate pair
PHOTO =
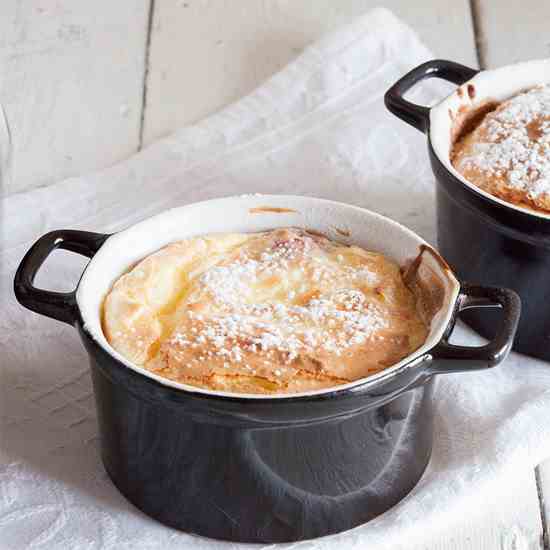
(282, 311)
(506, 151)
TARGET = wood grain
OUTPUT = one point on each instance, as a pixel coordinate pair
(71, 84)
(205, 54)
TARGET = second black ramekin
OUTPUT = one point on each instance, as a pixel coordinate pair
(484, 238)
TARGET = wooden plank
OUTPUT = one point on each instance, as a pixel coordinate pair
(207, 53)
(511, 31)
(71, 84)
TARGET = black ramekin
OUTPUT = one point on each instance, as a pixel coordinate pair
(484, 238)
(263, 468)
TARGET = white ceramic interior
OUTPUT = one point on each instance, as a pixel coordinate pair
(233, 214)
(494, 85)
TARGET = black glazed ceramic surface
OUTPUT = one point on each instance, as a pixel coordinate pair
(264, 469)
(482, 238)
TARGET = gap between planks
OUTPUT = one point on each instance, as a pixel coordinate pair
(146, 62)
(542, 507)
(479, 39)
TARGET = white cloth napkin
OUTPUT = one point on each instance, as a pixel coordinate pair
(317, 128)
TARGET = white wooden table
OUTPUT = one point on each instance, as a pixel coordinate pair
(86, 84)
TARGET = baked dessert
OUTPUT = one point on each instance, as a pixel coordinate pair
(280, 311)
(507, 153)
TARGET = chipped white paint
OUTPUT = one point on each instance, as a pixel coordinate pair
(71, 75)
(206, 53)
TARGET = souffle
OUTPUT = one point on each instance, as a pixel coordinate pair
(508, 153)
(282, 311)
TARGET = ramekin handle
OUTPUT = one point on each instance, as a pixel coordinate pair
(57, 305)
(418, 115)
(447, 358)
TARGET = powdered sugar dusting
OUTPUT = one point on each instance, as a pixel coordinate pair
(515, 143)
(286, 299)
(331, 325)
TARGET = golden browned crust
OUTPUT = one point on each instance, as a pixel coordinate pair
(282, 311)
(507, 152)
